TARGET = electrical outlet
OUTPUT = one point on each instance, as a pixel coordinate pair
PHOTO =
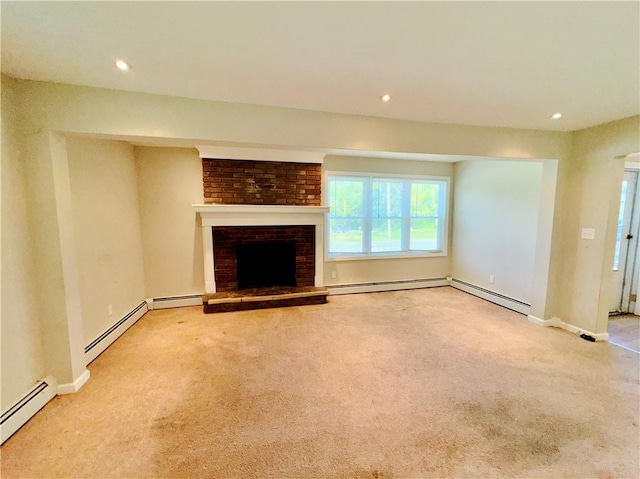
(588, 233)
(492, 279)
(110, 309)
(334, 274)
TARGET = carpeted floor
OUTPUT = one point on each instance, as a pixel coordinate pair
(624, 331)
(422, 383)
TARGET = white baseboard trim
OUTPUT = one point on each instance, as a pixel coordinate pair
(177, 301)
(74, 387)
(102, 342)
(385, 286)
(497, 298)
(540, 322)
(558, 323)
(17, 415)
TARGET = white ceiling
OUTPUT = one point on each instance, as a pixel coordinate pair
(507, 64)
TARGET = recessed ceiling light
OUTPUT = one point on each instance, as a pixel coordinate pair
(556, 116)
(385, 98)
(122, 65)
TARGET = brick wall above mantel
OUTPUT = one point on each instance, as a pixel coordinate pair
(261, 182)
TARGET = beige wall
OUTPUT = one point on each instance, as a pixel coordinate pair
(388, 269)
(495, 225)
(21, 338)
(71, 108)
(597, 199)
(169, 182)
(106, 225)
(53, 247)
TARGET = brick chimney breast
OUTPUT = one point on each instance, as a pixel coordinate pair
(261, 182)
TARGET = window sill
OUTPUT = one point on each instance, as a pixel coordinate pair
(377, 256)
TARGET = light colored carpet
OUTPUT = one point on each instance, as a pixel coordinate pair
(625, 331)
(422, 383)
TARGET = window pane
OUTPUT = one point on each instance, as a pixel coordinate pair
(386, 198)
(346, 197)
(385, 235)
(424, 199)
(424, 235)
(345, 235)
(623, 197)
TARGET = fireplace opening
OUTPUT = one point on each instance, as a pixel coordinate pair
(262, 265)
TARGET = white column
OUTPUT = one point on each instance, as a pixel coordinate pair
(209, 262)
(57, 281)
(319, 277)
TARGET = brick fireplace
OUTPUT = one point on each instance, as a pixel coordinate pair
(266, 204)
(241, 224)
(229, 243)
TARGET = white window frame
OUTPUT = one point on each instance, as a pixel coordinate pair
(443, 216)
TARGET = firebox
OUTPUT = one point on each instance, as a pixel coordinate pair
(262, 265)
(264, 256)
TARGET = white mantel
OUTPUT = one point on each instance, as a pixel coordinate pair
(260, 154)
(258, 215)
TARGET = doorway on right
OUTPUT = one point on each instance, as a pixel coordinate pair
(624, 323)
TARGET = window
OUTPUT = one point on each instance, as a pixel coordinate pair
(623, 199)
(386, 216)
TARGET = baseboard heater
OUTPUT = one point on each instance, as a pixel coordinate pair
(103, 341)
(17, 415)
(177, 301)
(386, 286)
(497, 298)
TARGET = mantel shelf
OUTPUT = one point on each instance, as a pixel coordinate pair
(259, 209)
